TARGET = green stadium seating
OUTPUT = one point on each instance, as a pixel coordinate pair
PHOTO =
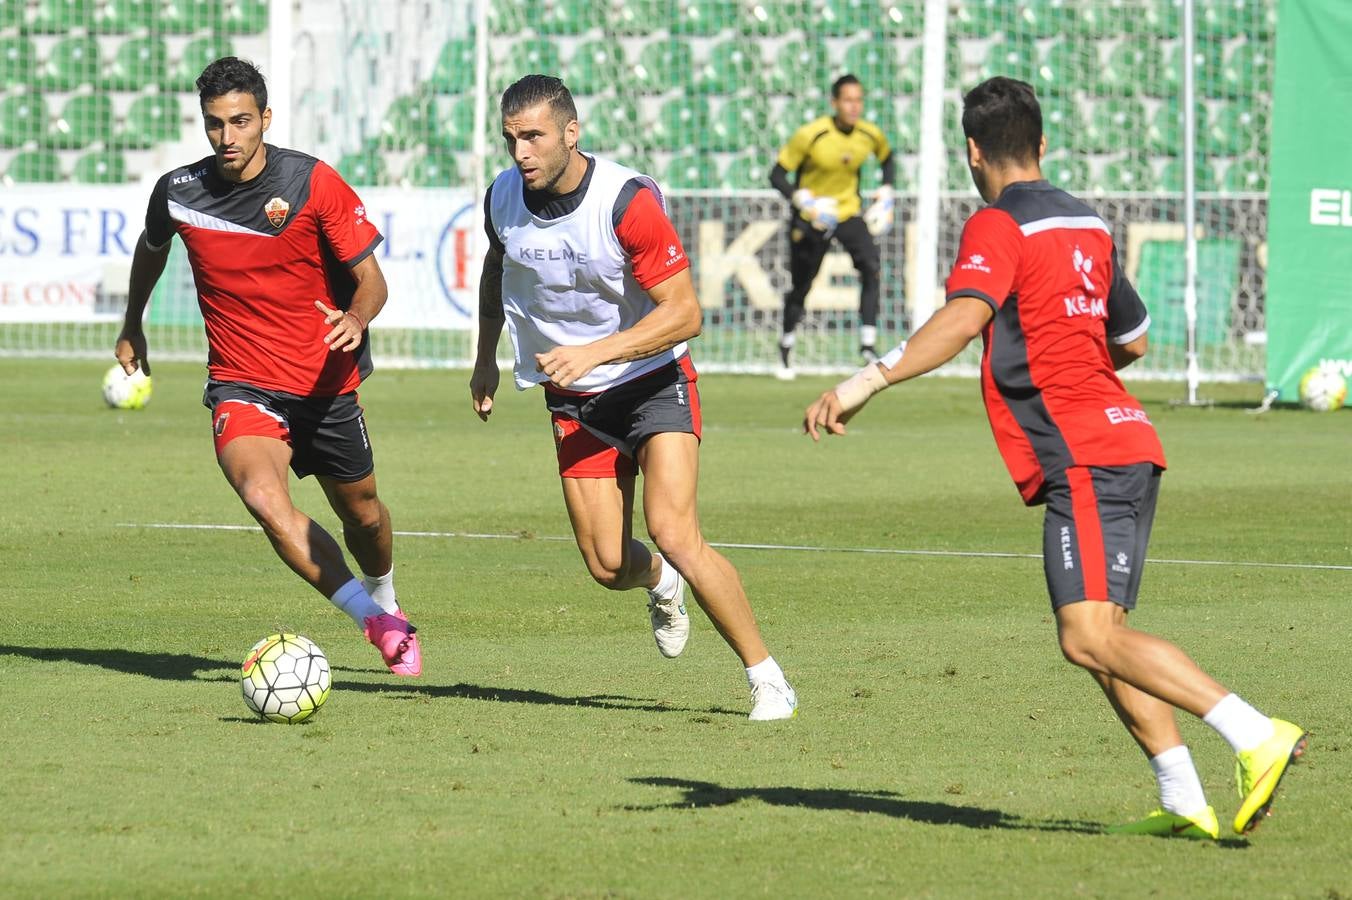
(85, 119)
(1062, 123)
(530, 56)
(903, 18)
(73, 62)
(125, 16)
(1206, 68)
(1154, 18)
(1011, 57)
(455, 67)
(63, 16)
(876, 66)
(635, 18)
(12, 13)
(1129, 174)
(1113, 123)
(1246, 71)
(958, 177)
(904, 134)
(139, 61)
(152, 119)
(747, 171)
(244, 16)
(611, 125)
(1172, 177)
(703, 18)
(197, 55)
(1135, 65)
(1164, 134)
(682, 123)
(739, 122)
(954, 139)
(570, 17)
(733, 64)
(1067, 66)
(775, 18)
(510, 17)
(410, 122)
(363, 168)
(23, 118)
(1045, 18)
(795, 114)
(662, 65)
(1069, 173)
(802, 69)
(846, 18)
(435, 168)
(18, 61)
(455, 124)
(880, 108)
(690, 170)
(1223, 20)
(100, 167)
(596, 66)
(1235, 128)
(1246, 175)
(34, 166)
(978, 18)
(190, 16)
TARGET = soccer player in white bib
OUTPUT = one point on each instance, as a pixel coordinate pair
(588, 274)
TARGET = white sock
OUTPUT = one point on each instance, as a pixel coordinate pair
(765, 670)
(868, 335)
(1180, 788)
(381, 589)
(1239, 723)
(667, 583)
(788, 340)
(352, 599)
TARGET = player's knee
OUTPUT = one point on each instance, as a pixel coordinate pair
(365, 516)
(1080, 648)
(676, 541)
(269, 505)
(609, 577)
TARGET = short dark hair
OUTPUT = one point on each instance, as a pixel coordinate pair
(840, 83)
(229, 74)
(1004, 118)
(536, 89)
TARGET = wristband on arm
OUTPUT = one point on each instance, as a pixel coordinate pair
(854, 391)
(361, 323)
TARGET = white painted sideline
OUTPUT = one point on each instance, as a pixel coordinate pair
(800, 548)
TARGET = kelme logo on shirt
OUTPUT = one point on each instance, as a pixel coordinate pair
(276, 210)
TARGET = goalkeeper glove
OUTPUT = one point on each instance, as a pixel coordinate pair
(821, 212)
(880, 214)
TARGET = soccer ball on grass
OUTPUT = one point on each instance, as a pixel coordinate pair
(285, 678)
(123, 391)
(1322, 390)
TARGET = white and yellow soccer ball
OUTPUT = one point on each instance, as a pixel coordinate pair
(123, 391)
(1322, 390)
(285, 678)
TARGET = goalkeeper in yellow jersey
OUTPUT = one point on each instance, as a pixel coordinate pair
(826, 155)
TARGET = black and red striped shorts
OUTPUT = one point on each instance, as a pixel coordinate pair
(1096, 530)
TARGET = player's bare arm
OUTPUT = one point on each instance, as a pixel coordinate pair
(940, 339)
(676, 318)
(367, 302)
(1124, 355)
(483, 383)
(146, 267)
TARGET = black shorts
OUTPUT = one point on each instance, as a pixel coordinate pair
(1096, 530)
(327, 434)
(597, 435)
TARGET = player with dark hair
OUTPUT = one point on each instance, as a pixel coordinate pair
(1038, 278)
(826, 155)
(282, 254)
(587, 268)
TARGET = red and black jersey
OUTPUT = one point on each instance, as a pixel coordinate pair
(262, 252)
(1046, 264)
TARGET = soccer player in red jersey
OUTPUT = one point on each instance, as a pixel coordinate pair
(1037, 277)
(591, 274)
(281, 253)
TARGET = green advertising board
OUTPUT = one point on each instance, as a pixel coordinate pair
(1309, 278)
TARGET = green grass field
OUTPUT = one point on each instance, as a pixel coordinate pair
(943, 748)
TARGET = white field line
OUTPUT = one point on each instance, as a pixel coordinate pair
(799, 548)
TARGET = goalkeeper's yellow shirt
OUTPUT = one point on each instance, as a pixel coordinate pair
(828, 160)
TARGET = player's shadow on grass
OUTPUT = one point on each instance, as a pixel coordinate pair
(166, 666)
(519, 695)
(887, 803)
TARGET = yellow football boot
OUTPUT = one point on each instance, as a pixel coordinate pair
(1260, 770)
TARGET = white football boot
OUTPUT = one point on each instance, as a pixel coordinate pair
(671, 623)
(772, 700)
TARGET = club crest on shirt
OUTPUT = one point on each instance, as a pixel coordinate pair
(276, 210)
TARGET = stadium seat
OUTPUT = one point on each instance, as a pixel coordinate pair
(703, 18)
(524, 58)
(664, 64)
(775, 18)
(635, 18)
(139, 61)
(903, 18)
(1224, 20)
(12, 13)
(1246, 71)
(73, 62)
(846, 18)
(18, 61)
(244, 16)
(152, 119)
(1233, 129)
(1134, 66)
(1067, 66)
(1069, 173)
(1172, 177)
(875, 64)
(454, 70)
(435, 168)
(197, 54)
(689, 171)
(569, 17)
(611, 125)
(1047, 18)
(1113, 124)
(739, 123)
(410, 122)
(23, 118)
(1206, 68)
(958, 176)
(34, 166)
(1156, 18)
(454, 123)
(1011, 57)
(1062, 123)
(1246, 175)
(682, 123)
(596, 66)
(978, 18)
(63, 16)
(126, 16)
(1131, 174)
(85, 119)
(1164, 134)
(733, 64)
(802, 69)
(189, 16)
(795, 114)
(904, 134)
(747, 171)
(364, 168)
(954, 139)
(100, 167)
